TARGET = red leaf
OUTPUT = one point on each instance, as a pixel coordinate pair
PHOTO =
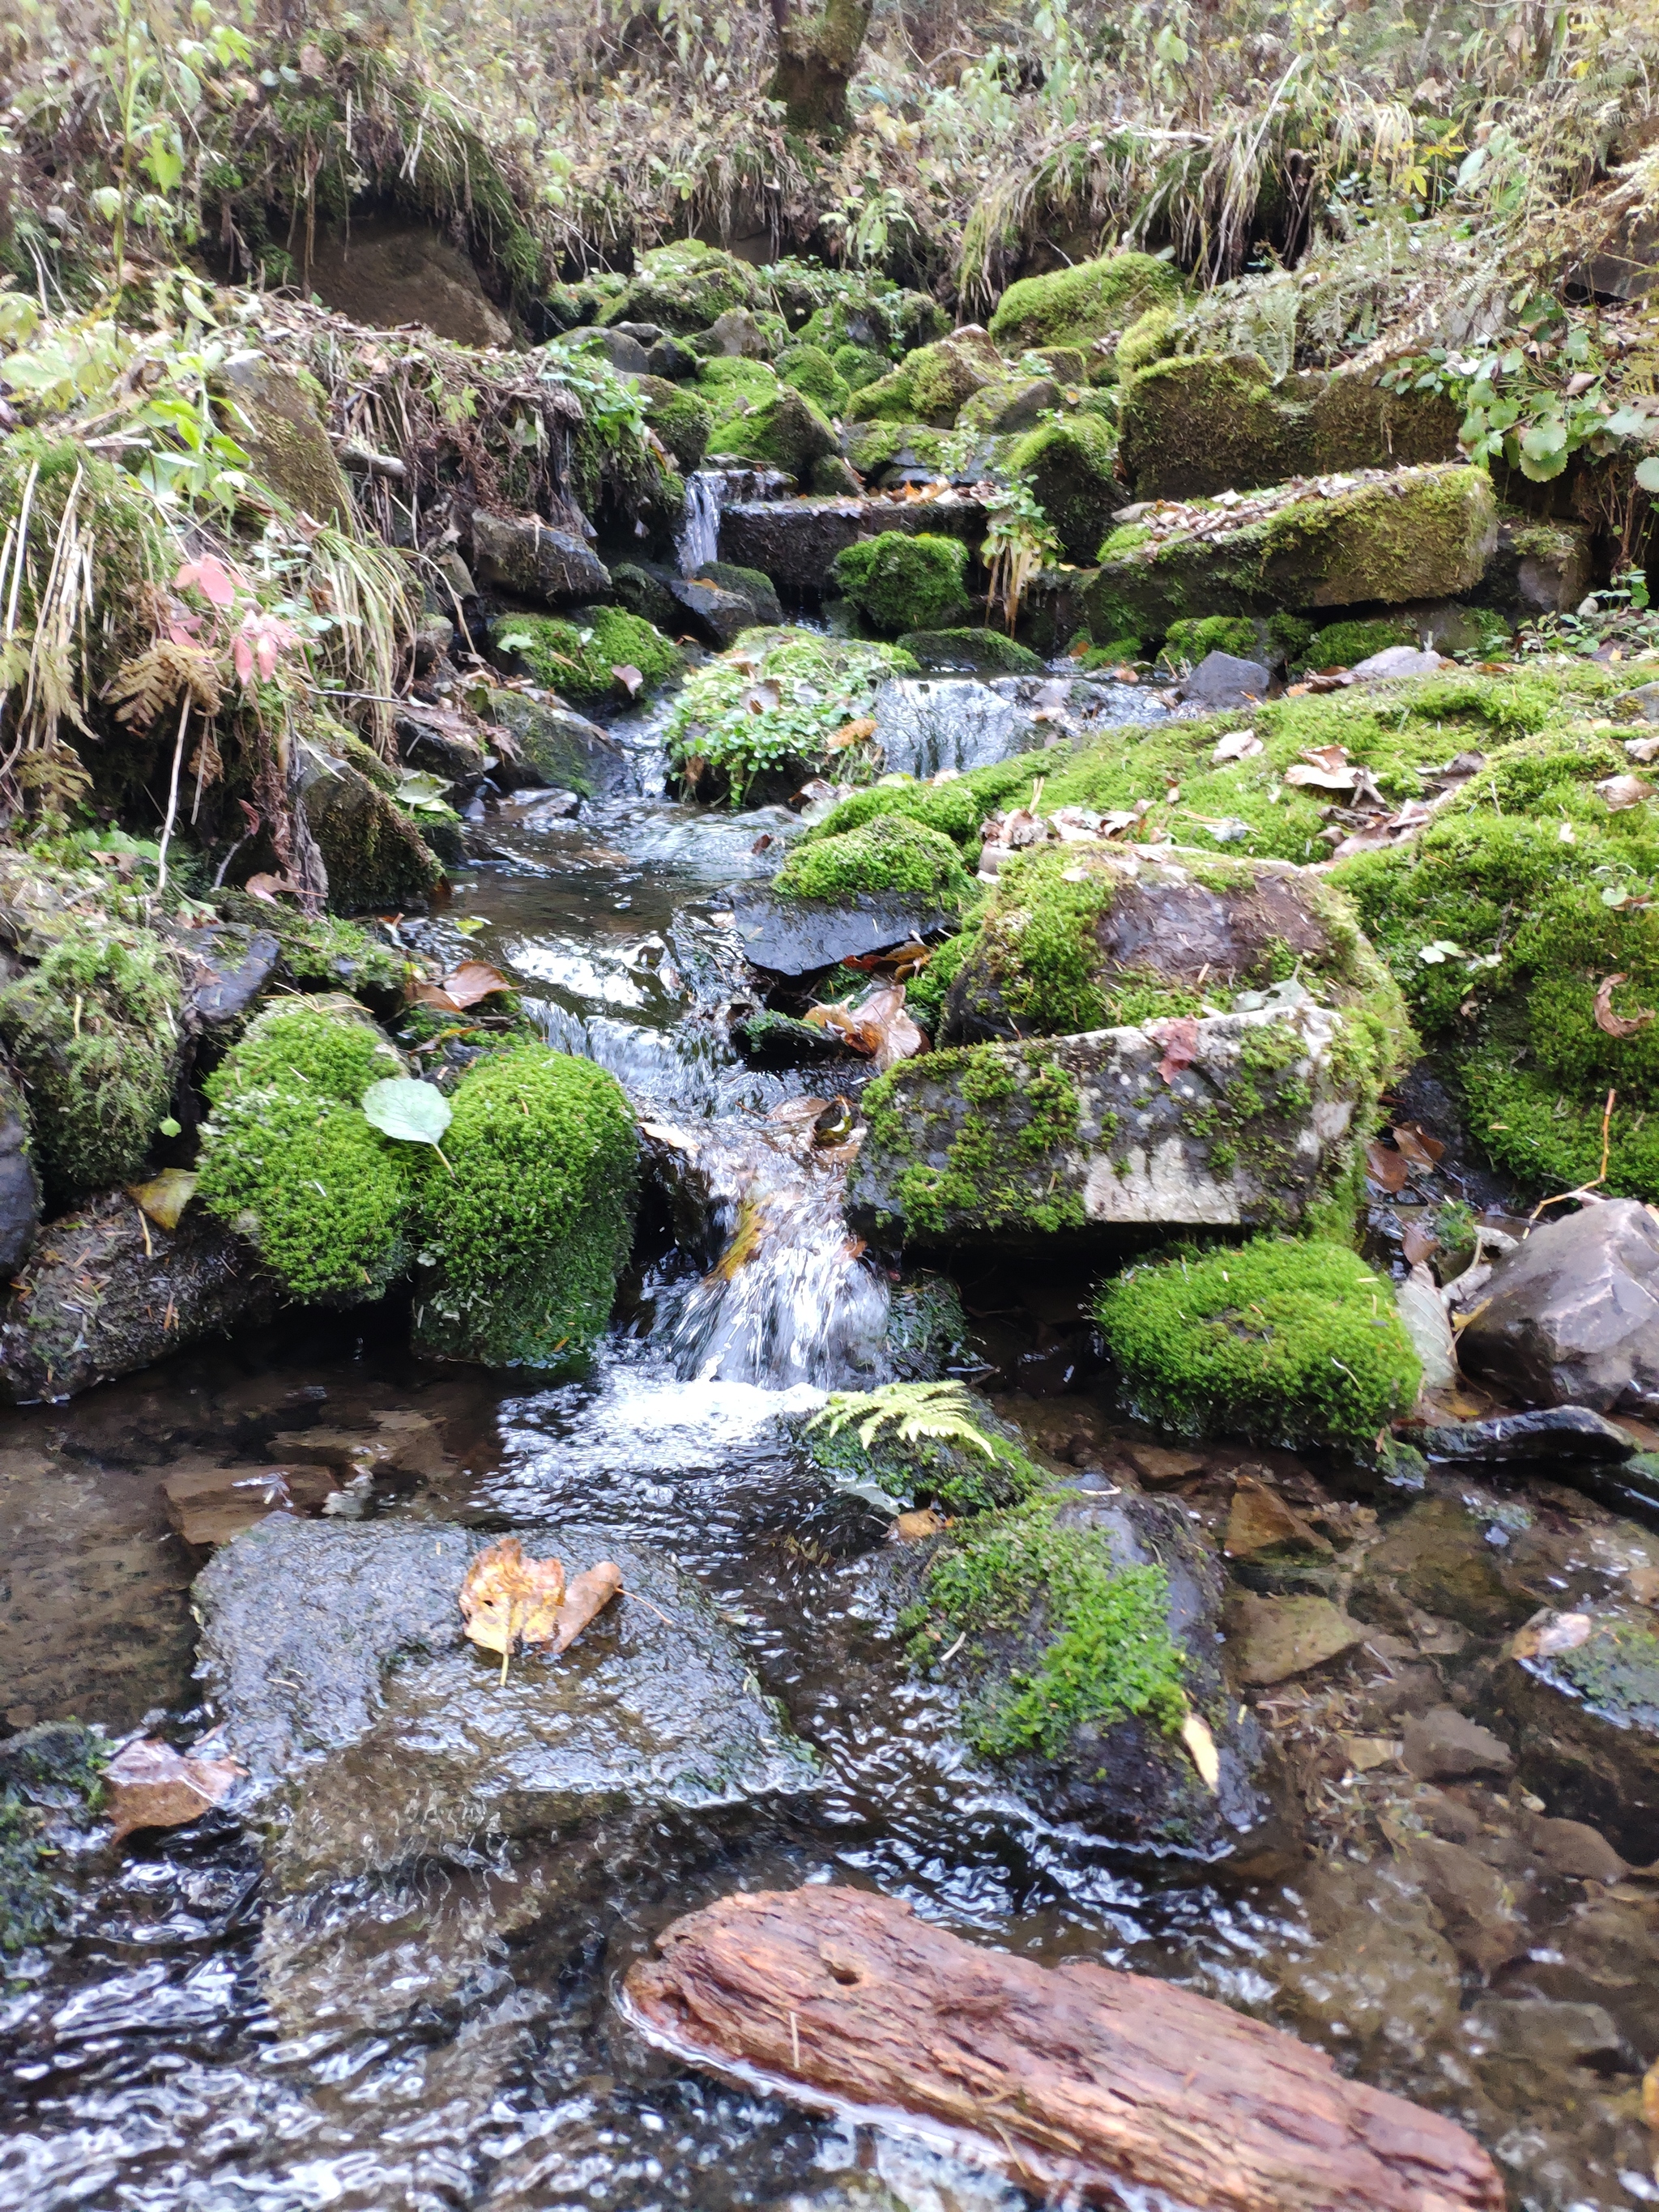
(149, 1785)
(211, 579)
(1179, 1039)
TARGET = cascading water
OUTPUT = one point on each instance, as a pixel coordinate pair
(790, 1298)
(700, 540)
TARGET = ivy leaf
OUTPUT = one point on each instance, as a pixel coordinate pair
(413, 1112)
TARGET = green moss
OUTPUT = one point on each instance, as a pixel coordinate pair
(971, 651)
(926, 994)
(1070, 467)
(993, 1172)
(892, 853)
(576, 656)
(1083, 306)
(94, 1032)
(523, 1244)
(1102, 1630)
(1280, 1341)
(48, 1771)
(1346, 644)
(724, 383)
(685, 286)
(961, 1458)
(822, 683)
(901, 582)
(1146, 340)
(950, 808)
(1617, 1670)
(858, 366)
(812, 370)
(929, 385)
(1189, 641)
(683, 421)
(289, 1162)
(785, 431)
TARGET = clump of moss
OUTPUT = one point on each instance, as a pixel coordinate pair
(1102, 1630)
(682, 421)
(923, 1444)
(1279, 1342)
(812, 370)
(1070, 467)
(950, 808)
(873, 449)
(683, 286)
(55, 1767)
(896, 853)
(1146, 340)
(968, 1167)
(822, 684)
(1189, 641)
(1346, 644)
(858, 366)
(904, 583)
(782, 430)
(94, 1032)
(1092, 302)
(971, 653)
(523, 1242)
(290, 1162)
(930, 385)
(577, 656)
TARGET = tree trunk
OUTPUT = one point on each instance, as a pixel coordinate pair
(818, 46)
(1079, 2078)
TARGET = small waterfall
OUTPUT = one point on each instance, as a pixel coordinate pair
(790, 1299)
(700, 540)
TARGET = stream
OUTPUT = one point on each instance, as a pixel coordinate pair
(145, 2062)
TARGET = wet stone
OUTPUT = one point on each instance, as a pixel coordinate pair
(20, 1185)
(1571, 1318)
(1579, 1694)
(1275, 1639)
(798, 936)
(1445, 1745)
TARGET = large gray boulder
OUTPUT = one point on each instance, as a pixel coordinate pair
(1571, 1315)
(521, 554)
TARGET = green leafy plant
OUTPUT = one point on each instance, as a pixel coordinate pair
(911, 1411)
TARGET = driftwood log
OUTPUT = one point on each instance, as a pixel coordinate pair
(1077, 2077)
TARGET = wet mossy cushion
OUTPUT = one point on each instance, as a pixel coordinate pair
(904, 583)
(890, 852)
(1279, 1341)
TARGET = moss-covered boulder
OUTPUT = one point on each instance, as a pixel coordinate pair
(901, 582)
(930, 385)
(94, 1031)
(1281, 1340)
(680, 418)
(375, 857)
(758, 721)
(1071, 467)
(555, 745)
(894, 453)
(522, 1244)
(1089, 305)
(970, 653)
(1346, 644)
(783, 431)
(290, 1162)
(578, 655)
(1082, 1635)
(685, 286)
(1146, 340)
(812, 370)
(1243, 638)
(273, 416)
(1198, 424)
(1388, 538)
(922, 1443)
(893, 852)
(953, 808)
(999, 411)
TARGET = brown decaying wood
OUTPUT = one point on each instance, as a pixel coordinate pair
(1076, 2076)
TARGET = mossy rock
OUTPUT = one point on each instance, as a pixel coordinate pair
(577, 655)
(1006, 409)
(1280, 1341)
(644, 593)
(1082, 1634)
(560, 747)
(726, 383)
(682, 421)
(1197, 424)
(275, 419)
(900, 582)
(1422, 533)
(1146, 340)
(930, 1443)
(1584, 1719)
(375, 857)
(1089, 305)
(521, 1246)
(858, 366)
(971, 653)
(50, 1778)
(322, 952)
(877, 450)
(953, 809)
(1244, 636)
(290, 1162)
(752, 585)
(1344, 644)
(1071, 467)
(812, 370)
(930, 385)
(785, 431)
(893, 852)
(685, 286)
(94, 1031)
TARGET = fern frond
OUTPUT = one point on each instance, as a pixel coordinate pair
(941, 1411)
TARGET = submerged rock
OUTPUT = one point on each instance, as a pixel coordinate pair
(1571, 1315)
(110, 1291)
(1580, 1693)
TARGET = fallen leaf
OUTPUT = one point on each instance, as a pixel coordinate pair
(761, 698)
(1179, 1039)
(149, 1784)
(586, 1598)
(216, 584)
(1418, 1244)
(1542, 1640)
(1423, 1151)
(1238, 744)
(631, 678)
(165, 1196)
(472, 981)
(1390, 1168)
(508, 1599)
(1618, 792)
(1200, 1747)
(1618, 1025)
(876, 1026)
(850, 733)
(266, 887)
(916, 1527)
(1643, 749)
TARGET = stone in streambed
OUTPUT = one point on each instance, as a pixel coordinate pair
(795, 937)
(1443, 1745)
(559, 747)
(521, 554)
(20, 1186)
(1571, 1315)
(1579, 1693)
(1275, 1639)
(1552, 1435)
(795, 541)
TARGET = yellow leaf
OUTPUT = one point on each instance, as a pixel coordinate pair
(1201, 1746)
(508, 1599)
(165, 1196)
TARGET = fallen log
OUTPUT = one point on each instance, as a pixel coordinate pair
(1078, 2077)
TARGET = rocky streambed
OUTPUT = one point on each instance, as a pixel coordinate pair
(382, 1970)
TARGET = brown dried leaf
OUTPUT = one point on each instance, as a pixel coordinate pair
(1238, 744)
(165, 1196)
(150, 1785)
(419, 992)
(1543, 1639)
(851, 733)
(1618, 792)
(1389, 1168)
(631, 678)
(761, 698)
(266, 887)
(1179, 1039)
(1418, 1244)
(586, 1598)
(508, 1599)
(1618, 1025)
(1421, 1150)
(472, 981)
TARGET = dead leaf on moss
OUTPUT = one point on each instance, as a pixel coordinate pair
(631, 678)
(464, 986)
(1179, 1039)
(1200, 1749)
(1618, 1025)
(266, 887)
(149, 1784)
(850, 733)
(1618, 792)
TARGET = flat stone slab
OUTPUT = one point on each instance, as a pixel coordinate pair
(797, 936)
(1554, 1432)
